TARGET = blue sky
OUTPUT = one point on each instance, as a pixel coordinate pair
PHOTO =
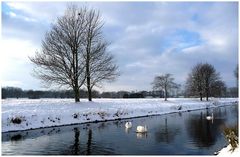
(147, 39)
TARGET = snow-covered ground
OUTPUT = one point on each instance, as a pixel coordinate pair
(226, 152)
(23, 114)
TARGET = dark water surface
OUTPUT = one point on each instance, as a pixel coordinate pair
(177, 133)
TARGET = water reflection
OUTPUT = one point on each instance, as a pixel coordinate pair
(203, 131)
(23, 135)
(89, 142)
(165, 133)
(127, 130)
(118, 123)
(75, 147)
(102, 126)
(17, 137)
(84, 144)
(141, 135)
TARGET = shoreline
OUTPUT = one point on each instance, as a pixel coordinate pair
(102, 110)
(99, 121)
(225, 151)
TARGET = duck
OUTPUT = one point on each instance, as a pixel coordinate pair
(210, 117)
(128, 125)
(141, 129)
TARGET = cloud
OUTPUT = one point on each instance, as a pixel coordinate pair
(147, 38)
(16, 68)
(42, 11)
(167, 50)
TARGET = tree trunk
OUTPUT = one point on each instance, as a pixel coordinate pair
(165, 94)
(201, 96)
(75, 72)
(88, 76)
(76, 94)
(207, 89)
(89, 93)
(207, 95)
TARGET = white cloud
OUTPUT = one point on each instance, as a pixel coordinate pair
(193, 49)
(12, 14)
(28, 19)
(12, 83)
(16, 68)
(43, 11)
(146, 37)
(137, 65)
(17, 49)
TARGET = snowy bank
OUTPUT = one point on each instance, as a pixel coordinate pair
(23, 114)
(226, 152)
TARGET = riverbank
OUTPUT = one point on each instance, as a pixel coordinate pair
(226, 152)
(24, 114)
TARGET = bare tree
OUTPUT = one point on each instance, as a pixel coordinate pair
(165, 83)
(218, 89)
(60, 60)
(210, 76)
(202, 79)
(99, 63)
(194, 84)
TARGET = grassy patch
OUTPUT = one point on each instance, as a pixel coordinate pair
(17, 120)
(231, 134)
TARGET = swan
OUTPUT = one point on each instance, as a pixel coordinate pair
(141, 129)
(210, 117)
(128, 125)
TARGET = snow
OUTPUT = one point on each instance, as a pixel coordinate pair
(226, 152)
(40, 113)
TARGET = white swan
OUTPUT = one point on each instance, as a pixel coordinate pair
(141, 129)
(128, 125)
(210, 117)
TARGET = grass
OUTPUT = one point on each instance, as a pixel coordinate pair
(231, 134)
(16, 120)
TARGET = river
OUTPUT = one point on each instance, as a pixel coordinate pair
(183, 133)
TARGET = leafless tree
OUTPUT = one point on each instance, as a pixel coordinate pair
(202, 79)
(210, 76)
(60, 60)
(99, 63)
(194, 84)
(74, 52)
(165, 83)
(218, 89)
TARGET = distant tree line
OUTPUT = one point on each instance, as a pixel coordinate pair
(133, 94)
(15, 92)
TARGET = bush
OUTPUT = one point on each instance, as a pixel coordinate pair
(75, 115)
(16, 120)
(231, 134)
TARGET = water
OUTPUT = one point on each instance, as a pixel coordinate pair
(175, 134)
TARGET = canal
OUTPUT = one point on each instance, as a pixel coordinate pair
(184, 133)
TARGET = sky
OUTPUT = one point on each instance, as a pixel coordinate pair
(147, 39)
